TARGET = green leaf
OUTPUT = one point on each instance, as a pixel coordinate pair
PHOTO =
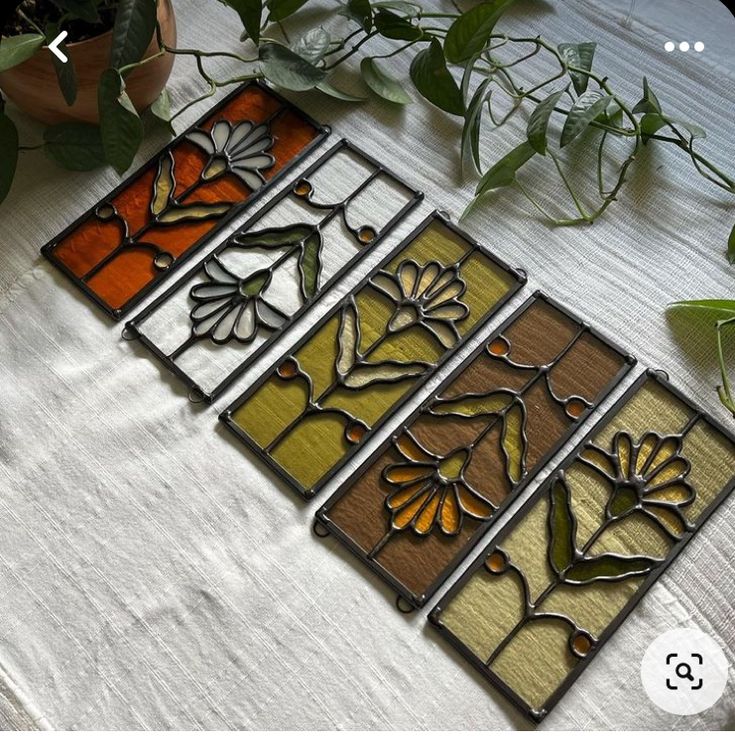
(287, 70)
(721, 306)
(17, 49)
(135, 23)
(613, 116)
(731, 246)
(411, 10)
(279, 237)
(608, 567)
(514, 442)
(364, 374)
(310, 264)
(161, 109)
(584, 111)
(74, 146)
(650, 124)
(250, 12)
(66, 74)
(348, 339)
(562, 527)
(695, 131)
(471, 405)
(121, 127)
(163, 186)
(282, 9)
(472, 123)
(312, 45)
(382, 84)
(578, 55)
(393, 26)
(504, 171)
(359, 11)
(649, 103)
(434, 81)
(85, 10)
(538, 123)
(8, 154)
(328, 89)
(195, 212)
(469, 34)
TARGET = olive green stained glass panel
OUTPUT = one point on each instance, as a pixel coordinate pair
(315, 407)
(559, 579)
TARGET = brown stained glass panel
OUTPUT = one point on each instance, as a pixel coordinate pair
(221, 316)
(120, 249)
(559, 579)
(421, 502)
(316, 406)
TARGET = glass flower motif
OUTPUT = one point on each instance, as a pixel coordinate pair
(240, 150)
(427, 296)
(228, 307)
(431, 489)
(647, 477)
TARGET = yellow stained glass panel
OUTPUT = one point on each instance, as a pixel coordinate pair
(375, 348)
(604, 526)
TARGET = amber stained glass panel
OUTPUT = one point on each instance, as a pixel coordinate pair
(221, 316)
(120, 249)
(558, 580)
(311, 412)
(415, 509)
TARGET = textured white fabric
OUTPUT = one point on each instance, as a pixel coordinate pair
(154, 575)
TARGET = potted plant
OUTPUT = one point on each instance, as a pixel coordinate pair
(33, 78)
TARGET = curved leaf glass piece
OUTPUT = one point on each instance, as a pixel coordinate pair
(219, 318)
(122, 248)
(419, 504)
(309, 413)
(568, 568)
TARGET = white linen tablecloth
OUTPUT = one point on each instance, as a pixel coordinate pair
(154, 575)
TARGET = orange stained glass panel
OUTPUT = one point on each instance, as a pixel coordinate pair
(130, 241)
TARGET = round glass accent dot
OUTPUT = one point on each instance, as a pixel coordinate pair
(366, 235)
(106, 212)
(355, 431)
(581, 644)
(575, 407)
(163, 261)
(496, 563)
(498, 347)
(302, 188)
(288, 369)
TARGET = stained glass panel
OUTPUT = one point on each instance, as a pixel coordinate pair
(314, 408)
(119, 250)
(219, 318)
(568, 568)
(419, 504)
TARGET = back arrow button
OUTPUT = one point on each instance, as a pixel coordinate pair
(54, 46)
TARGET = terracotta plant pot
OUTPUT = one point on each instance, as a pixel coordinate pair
(34, 88)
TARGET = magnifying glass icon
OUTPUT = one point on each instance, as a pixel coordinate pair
(684, 671)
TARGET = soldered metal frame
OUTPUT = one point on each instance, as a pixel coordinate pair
(407, 601)
(308, 493)
(537, 715)
(48, 250)
(134, 331)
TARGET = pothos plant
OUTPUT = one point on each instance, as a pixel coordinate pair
(460, 63)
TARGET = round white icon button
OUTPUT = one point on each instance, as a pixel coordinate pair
(684, 671)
